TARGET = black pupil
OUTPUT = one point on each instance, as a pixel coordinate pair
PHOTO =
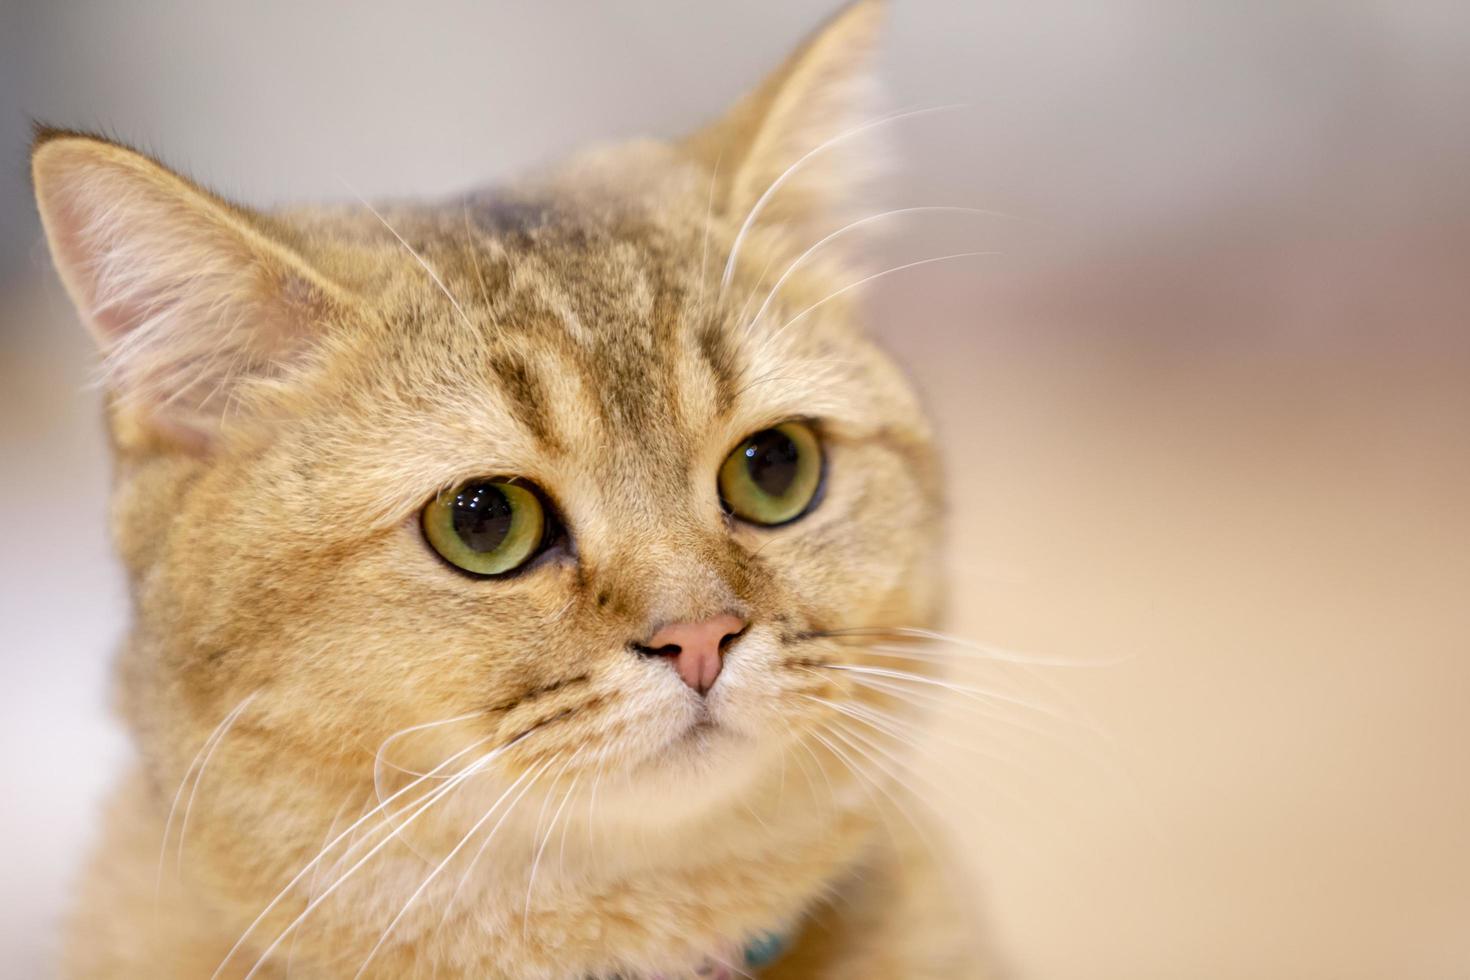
(482, 516)
(771, 459)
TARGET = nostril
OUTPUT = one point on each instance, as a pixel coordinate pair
(667, 650)
(696, 650)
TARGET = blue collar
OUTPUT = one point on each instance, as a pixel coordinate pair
(764, 950)
(758, 953)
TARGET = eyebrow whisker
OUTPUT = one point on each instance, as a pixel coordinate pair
(802, 161)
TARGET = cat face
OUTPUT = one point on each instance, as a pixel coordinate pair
(618, 402)
(488, 474)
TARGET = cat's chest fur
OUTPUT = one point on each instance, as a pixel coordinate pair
(640, 911)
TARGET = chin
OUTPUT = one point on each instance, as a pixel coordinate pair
(697, 772)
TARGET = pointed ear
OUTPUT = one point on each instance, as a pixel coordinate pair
(801, 116)
(188, 297)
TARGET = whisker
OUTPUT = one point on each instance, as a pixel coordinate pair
(378, 757)
(821, 770)
(851, 226)
(903, 733)
(802, 161)
(321, 855)
(869, 278)
(560, 614)
(943, 657)
(311, 886)
(1027, 663)
(902, 764)
(435, 873)
(754, 288)
(865, 778)
(592, 803)
(876, 719)
(988, 654)
(417, 257)
(438, 794)
(1094, 754)
(987, 651)
(781, 787)
(469, 869)
(561, 851)
(475, 256)
(806, 773)
(816, 733)
(201, 759)
(536, 861)
(949, 659)
(852, 739)
(757, 817)
(907, 731)
(730, 966)
(894, 728)
(709, 212)
(964, 690)
(930, 701)
(897, 736)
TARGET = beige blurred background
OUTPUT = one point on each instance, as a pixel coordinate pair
(1207, 417)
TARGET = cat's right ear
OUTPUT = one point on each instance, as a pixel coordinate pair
(187, 296)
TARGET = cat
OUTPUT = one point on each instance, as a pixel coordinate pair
(504, 569)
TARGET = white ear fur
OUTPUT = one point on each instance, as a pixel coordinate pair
(184, 294)
(803, 130)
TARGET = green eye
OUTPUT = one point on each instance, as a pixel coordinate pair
(772, 477)
(486, 527)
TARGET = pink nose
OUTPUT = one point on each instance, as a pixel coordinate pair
(696, 648)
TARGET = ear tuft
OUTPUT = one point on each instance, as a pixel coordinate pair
(184, 293)
(798, 127)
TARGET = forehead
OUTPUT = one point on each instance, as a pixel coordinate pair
(578, 316)
(527, 334)
(597, 304)
(608, 290)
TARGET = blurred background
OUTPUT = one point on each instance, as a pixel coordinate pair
(1207, 417)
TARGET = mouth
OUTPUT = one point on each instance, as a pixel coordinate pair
(700, 738)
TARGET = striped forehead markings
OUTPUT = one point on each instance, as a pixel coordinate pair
(526, 396)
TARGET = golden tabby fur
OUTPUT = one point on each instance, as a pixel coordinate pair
(286, 391)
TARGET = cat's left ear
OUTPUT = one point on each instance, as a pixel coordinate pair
(188, 297)
(802, 133)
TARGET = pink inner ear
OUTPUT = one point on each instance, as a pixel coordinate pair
(185, 301)
(67, 230)
(99, 226)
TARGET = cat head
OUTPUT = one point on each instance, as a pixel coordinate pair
(584, 470)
